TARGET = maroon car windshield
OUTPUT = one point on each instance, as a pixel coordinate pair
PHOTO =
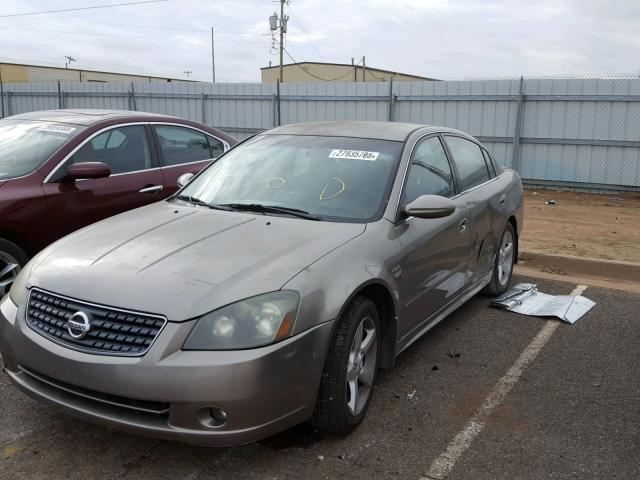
(25, 145)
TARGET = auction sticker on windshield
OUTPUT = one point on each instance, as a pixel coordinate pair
(354, 155)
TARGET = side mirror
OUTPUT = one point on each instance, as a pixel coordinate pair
(78, 171)
(430, 206)
(184, 179)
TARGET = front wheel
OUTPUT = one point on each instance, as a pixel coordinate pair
(350, 370)
(503, 263)
(12, 259)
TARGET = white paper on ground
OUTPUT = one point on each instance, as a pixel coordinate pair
(524, 298)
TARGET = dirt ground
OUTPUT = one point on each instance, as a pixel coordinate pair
(582, 225)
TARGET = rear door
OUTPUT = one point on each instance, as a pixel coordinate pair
(135, 179)
(182, 149)
(481, 195)
(435, 250)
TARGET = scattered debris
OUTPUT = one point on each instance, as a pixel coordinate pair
(534, 193)
(342, 457)
(454, 355)
(435, 368)
(411, 395)
(618, 199)
(525, 298)
(320, 457)
(550, 202)
(397, 396)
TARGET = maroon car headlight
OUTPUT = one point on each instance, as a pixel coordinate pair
(250, 323)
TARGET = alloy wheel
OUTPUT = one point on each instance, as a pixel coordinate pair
(362, 364)
(9, 269)
(505, 258)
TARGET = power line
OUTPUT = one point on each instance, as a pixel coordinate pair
(306, 33)
(93, 7)
(100, 34)
(297, 64)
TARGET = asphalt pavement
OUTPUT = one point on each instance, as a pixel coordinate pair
(573, 412)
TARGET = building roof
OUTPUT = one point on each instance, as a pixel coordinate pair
(82, 117)
(349, 65)
(75, 69)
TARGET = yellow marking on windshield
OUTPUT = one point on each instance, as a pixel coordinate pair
(269, 183)
(342, 189)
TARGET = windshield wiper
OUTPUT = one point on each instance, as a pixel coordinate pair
(201, 203)
(257, 207)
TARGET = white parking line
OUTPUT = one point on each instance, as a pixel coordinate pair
(442, 466)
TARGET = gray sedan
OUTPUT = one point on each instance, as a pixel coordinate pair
(270, 289)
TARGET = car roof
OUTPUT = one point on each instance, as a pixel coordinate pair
(395, 131)
(84, 117)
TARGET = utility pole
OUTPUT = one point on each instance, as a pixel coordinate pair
(213, 59)
(282, 27)
(188, 73)
(364, 69)
(280, 23)
(68, 62)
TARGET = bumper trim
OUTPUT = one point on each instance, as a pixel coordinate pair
(155, 408)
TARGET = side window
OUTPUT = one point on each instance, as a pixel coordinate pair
(469, 161)
(490, 164)
(429, 172)
(182, 145)
(216, 146)
(123, 149)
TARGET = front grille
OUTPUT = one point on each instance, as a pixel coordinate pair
(112, 331)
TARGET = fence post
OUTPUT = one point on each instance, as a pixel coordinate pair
(278, 102)
(516, 160)
(133, 97)
(1, 98)
(9, 112)
(203, 97)
(60, 102)
(391, 99)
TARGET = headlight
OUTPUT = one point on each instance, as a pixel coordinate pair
(251, 323)
(19, 285)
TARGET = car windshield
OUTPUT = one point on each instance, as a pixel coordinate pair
(330, 178)
(25, 145)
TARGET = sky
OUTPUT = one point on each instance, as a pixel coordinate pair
(435, 38)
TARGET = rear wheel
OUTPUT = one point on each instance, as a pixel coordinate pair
(350, 370)
(12, 259)
(503, 263)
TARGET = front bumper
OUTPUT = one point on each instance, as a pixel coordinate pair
(168, 392)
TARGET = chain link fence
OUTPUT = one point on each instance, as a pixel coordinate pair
(555, 131)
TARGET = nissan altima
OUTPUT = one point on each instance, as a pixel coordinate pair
(270, 288)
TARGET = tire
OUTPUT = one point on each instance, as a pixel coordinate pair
(337, 410)
(12, 260)
(502, 269)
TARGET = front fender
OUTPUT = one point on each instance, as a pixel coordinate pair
(328, 285)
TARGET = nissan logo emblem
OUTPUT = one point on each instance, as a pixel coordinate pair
(78, 325)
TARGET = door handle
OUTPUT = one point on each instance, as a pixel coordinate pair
(151, 189)
(464, 223)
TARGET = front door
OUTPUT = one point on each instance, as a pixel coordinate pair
(135, 181)
(435, 250)
(183, 150)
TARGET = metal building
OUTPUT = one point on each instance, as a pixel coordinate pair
(317, 72)
(21, 73)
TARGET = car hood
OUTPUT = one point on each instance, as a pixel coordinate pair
(182, 261)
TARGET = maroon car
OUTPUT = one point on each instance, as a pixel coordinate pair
(63, 169)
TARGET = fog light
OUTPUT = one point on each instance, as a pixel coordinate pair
(212, 417)
(219, 415)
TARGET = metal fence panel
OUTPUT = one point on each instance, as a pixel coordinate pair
(568, 131)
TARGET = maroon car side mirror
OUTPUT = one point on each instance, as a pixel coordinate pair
(78, 171)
